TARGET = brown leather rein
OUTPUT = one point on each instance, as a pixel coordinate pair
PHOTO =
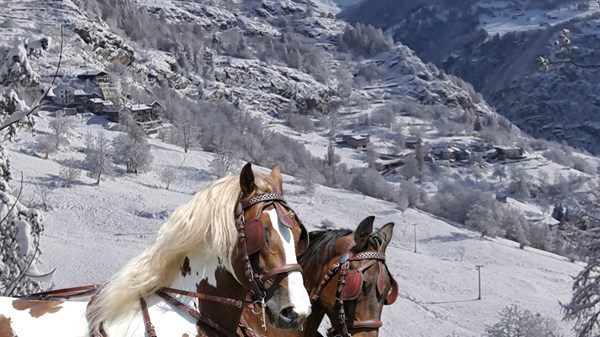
(256, 280)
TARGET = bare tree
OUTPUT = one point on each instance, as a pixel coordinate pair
(69, 172)
(584, 307)
(223, 164)
(132, 149)
(61, 128)
(384, 116)
(187, 129)
(43, 192)
(167, 175)
(564, 51)
(499, 171)
(98, 157)
(515, 322)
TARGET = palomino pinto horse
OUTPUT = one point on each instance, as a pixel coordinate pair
(346, 275)
(232, 246)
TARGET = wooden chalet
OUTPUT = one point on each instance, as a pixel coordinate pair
(508, 152)
(95, 105)
(148, 117)
(355, 141)
(98, 77)
(80, 96)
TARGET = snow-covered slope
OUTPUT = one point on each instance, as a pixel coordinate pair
(91, 231)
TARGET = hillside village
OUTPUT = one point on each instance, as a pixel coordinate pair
(93, 92)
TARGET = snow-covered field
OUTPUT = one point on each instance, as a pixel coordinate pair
(507, 16)
(91, 231)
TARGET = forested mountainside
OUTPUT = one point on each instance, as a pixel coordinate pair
(495, 46)
(336, 104)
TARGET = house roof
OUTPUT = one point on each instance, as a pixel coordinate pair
(92, 72)
(79, 92)
(138, 107)
(507, 148)
(96, 100)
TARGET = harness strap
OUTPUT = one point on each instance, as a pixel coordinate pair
(286, 268)
(229, 301)
(65, 293)
(339, 301)
(368, 256)
(325, 281)
(263, 197)
(147, 323)
(196, 314)
(368, 324)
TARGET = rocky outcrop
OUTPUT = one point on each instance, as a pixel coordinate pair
(105, 43)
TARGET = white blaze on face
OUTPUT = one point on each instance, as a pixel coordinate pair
(297, 292)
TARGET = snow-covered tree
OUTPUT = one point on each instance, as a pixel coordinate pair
(98, 157)
(223, 164)
(499, 171)
(61, 128)
(20, 230)
(16, 75)
(515, 322)
(483, 218)
(383, 116)
(187, 129)
(20, 227)
(132, 150)
(167, 175)
(69, 172)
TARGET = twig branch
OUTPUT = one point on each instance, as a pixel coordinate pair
(16, 201)
(17, 117)
(573, 62)
(22, 274)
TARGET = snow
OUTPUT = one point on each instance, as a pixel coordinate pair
(508, 16)
(91, 231)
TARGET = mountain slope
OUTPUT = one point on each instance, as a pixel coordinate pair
(495, 45)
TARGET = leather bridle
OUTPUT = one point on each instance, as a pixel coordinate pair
(349, 287)
(250, 241)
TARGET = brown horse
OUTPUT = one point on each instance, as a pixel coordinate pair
(233, 245)
(348, 280)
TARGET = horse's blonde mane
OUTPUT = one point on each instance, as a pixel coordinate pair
(204, 225)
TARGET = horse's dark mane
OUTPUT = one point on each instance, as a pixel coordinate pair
(320, 249)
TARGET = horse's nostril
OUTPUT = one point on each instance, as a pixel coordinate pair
(290, 313)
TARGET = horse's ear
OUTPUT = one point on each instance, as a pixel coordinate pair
(247, 180)
(386, 233)
(363, 232)
(277, 180)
